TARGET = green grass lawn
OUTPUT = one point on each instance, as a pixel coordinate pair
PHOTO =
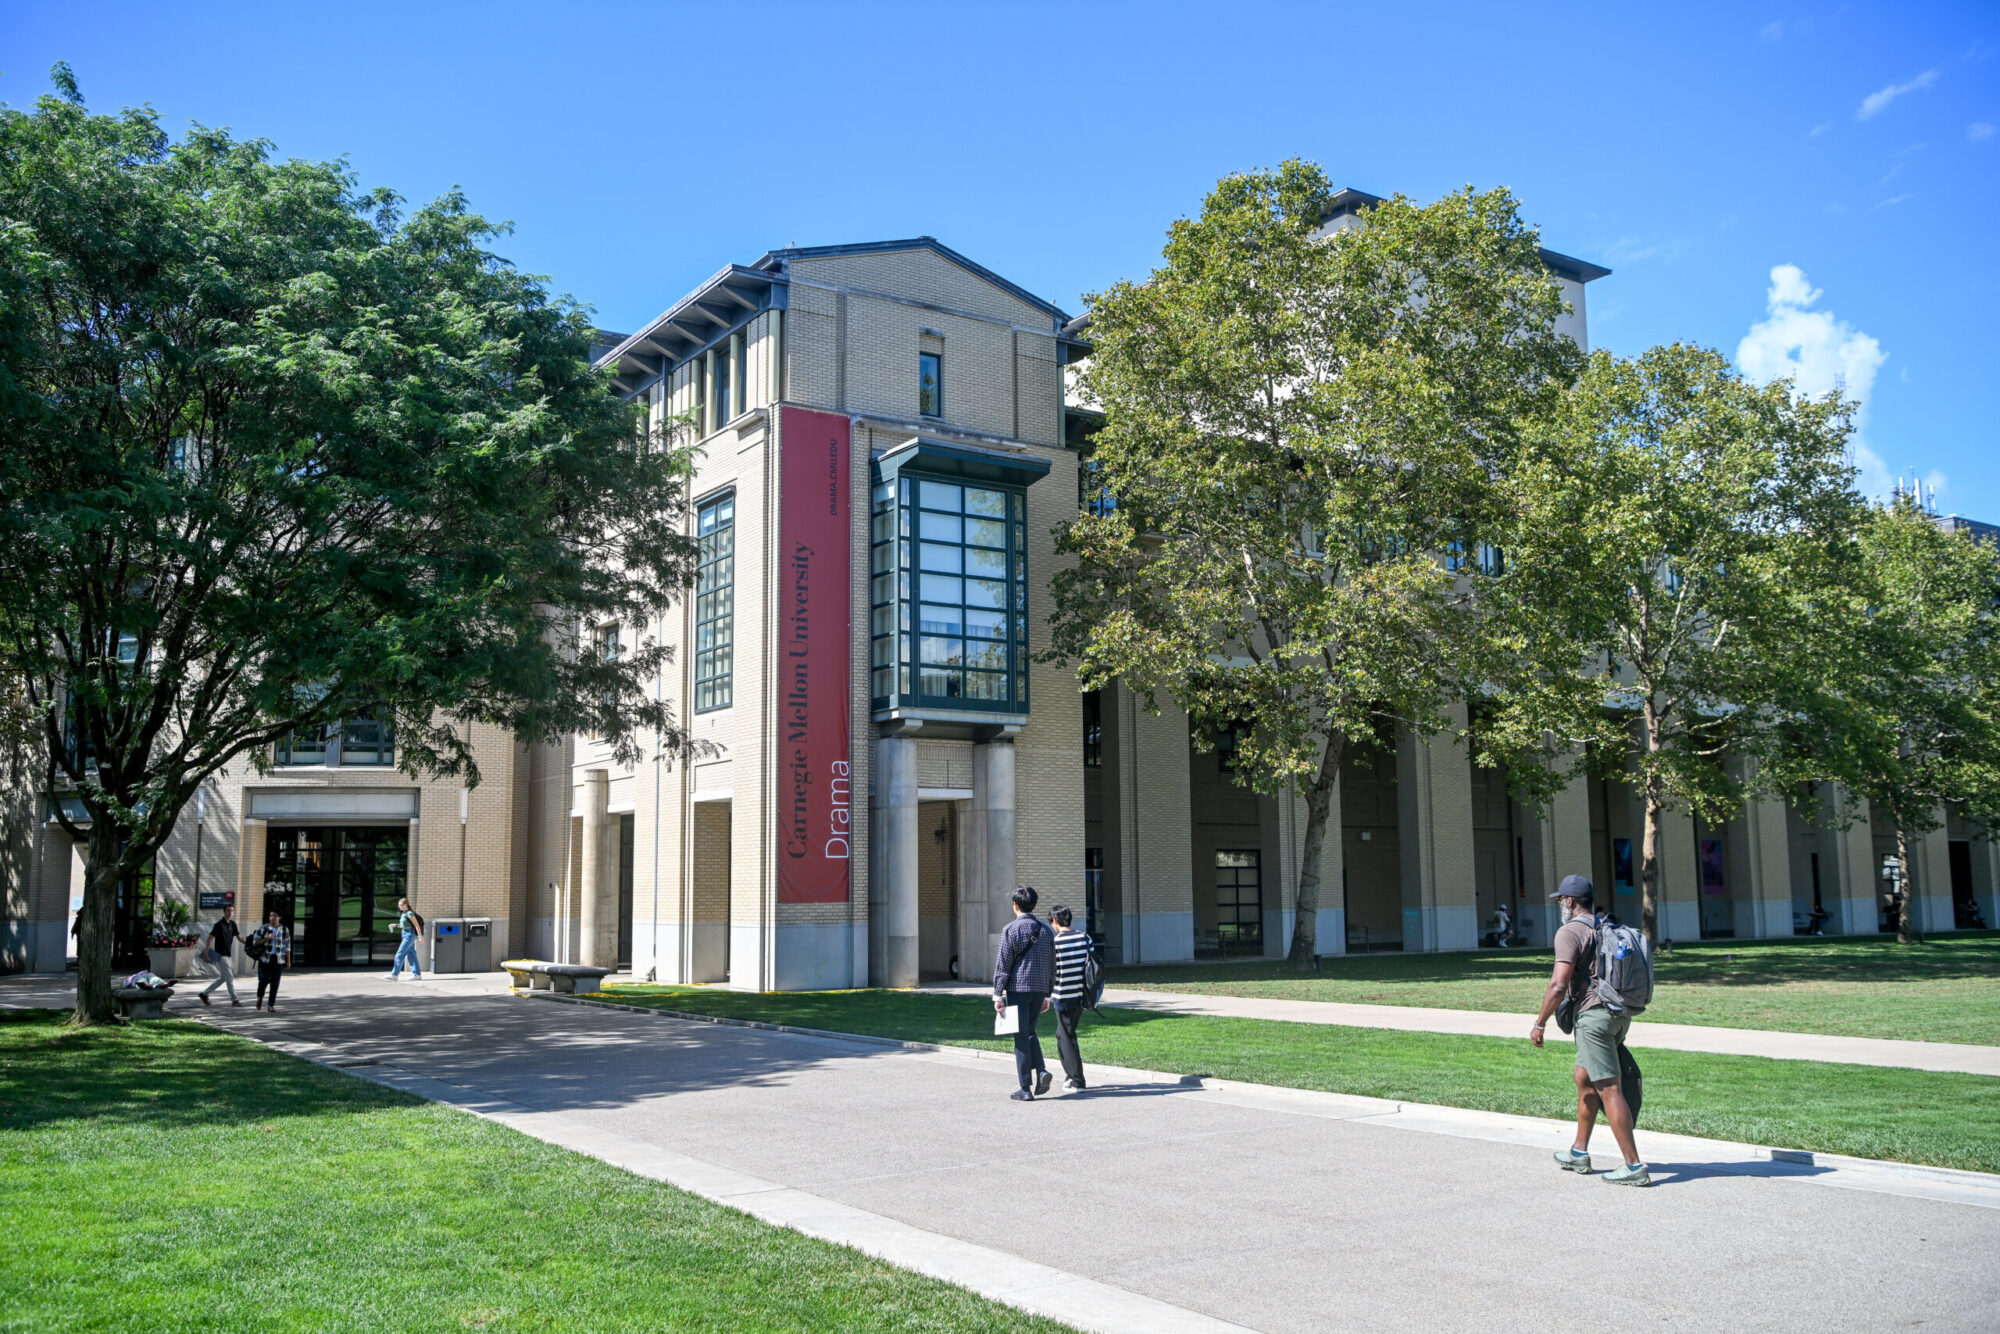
(170, 1177)
(1915, 1116)
(1945, 990)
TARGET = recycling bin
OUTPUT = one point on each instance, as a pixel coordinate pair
(448, 945)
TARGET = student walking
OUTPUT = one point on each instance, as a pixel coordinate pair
(1598, 1034)
(222, 939)
(1023, 973)
(411, 924)
(1072, 952)
(271, 945)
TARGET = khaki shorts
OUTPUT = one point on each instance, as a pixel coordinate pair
(1598, 1033)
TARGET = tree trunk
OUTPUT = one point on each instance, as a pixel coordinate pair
(1906, 930)
(1649, 869)
(1319, 800)
(94, 934)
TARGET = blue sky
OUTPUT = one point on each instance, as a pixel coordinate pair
(1853, 150)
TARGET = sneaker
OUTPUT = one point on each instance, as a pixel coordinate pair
(1073, 1085)
(1569, 1160)
(1021, 1095)
(1631, 1174)
(201, 996)
(237, 1003)
(1042, 1081)
(260, 1004)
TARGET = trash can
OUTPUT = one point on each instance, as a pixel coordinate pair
(448, 945)
(478, 956)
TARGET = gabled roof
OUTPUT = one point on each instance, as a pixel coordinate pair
(772, 259)
(1563, 266)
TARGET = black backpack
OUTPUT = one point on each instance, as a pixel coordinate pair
(1093, 977)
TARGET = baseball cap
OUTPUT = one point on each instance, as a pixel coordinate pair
(1575, 887)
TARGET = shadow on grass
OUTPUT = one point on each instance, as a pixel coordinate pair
(162, 1073)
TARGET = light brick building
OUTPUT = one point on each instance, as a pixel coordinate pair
(884, 449)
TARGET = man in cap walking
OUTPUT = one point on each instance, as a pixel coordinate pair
(1598, 1034)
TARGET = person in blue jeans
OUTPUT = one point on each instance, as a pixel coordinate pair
(411, 924)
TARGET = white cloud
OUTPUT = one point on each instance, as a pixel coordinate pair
(1978, 130)
(1892, 201)
(1821, 354)
(1877, 102)
(1771, 31)
(1820, 129)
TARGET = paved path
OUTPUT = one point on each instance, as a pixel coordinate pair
(1964, 1058)
(1200, 1205)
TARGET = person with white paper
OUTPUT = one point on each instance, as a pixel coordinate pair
(1023, 975)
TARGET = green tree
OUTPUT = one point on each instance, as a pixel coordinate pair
(1922, 730)
(277, 455)
(1678, 537)
(1298, 427)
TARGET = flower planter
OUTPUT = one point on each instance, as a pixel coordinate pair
(141, 1002)
(172, 961)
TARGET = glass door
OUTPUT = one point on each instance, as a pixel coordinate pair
(337, 890)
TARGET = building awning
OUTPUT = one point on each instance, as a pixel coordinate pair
(333, 803)
(972, 462)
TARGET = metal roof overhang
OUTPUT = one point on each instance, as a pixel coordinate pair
(1563, 266)
(693, 324)
(970, 462)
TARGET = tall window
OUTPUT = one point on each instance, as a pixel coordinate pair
(308, 747)
(715, 605)
(608, 647)
(1093, 729)
(1239, 900)
(930, 384)
(722, 383)
(367, 741)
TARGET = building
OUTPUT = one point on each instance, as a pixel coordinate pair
(885, 446)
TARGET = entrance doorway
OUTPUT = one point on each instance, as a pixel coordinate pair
(336, 888)
(132, 919)
(1239, 901)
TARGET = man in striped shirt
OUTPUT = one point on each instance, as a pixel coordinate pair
(1072, 951)
(1023, 973)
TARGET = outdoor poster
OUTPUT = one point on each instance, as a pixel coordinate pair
(815, 775)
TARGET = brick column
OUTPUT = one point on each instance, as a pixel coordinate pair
(1680, 875)
(990, 843)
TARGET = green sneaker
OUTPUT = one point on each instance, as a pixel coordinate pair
(1632, 1174)
(1569, 1160)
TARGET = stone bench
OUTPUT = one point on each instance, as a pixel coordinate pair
(142, 1002)
(570, 978)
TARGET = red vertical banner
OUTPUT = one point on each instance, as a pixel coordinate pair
(815, 654)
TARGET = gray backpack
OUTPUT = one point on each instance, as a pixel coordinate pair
(1624, 967)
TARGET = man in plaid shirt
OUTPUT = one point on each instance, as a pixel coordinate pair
(272, 944)
(1023, 975)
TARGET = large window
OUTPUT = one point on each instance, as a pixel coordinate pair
(1239, 900)
(930, 384)
(950, 594)
(362, 742)
(715, 605)
(723, 381)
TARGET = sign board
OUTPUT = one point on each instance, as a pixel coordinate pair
(217, 898)
(815, 649)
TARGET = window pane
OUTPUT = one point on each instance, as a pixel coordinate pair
(938, 556)
(985, 593)
(936, 651)
(930, 385)
(978, 560)
(942, 496)
(986, 532)
(940, 684)
(942, 588)
(884, 682)
(884, 588)
(985, 685)
(885, 557)
(992, 504)
(936, 620)
(992, 624)
(715, 608)
(884, 620)
(883, 528)
(943, 528)
(986, 653)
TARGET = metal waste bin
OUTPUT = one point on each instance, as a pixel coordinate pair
(448, 945)
(478, 956)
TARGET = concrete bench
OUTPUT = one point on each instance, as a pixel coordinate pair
(142, 1002)
(538, 975)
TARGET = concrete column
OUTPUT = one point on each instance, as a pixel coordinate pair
(1434, 807)
(1763, 909)
(1847, 865)
(1986, 876)
(1680, 875)
(990, 842)
(599, 874)
(1558, 846)
(892, 897)
(1931, 882)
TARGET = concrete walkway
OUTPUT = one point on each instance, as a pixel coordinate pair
(1154, 1204)
(1962, 1058)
